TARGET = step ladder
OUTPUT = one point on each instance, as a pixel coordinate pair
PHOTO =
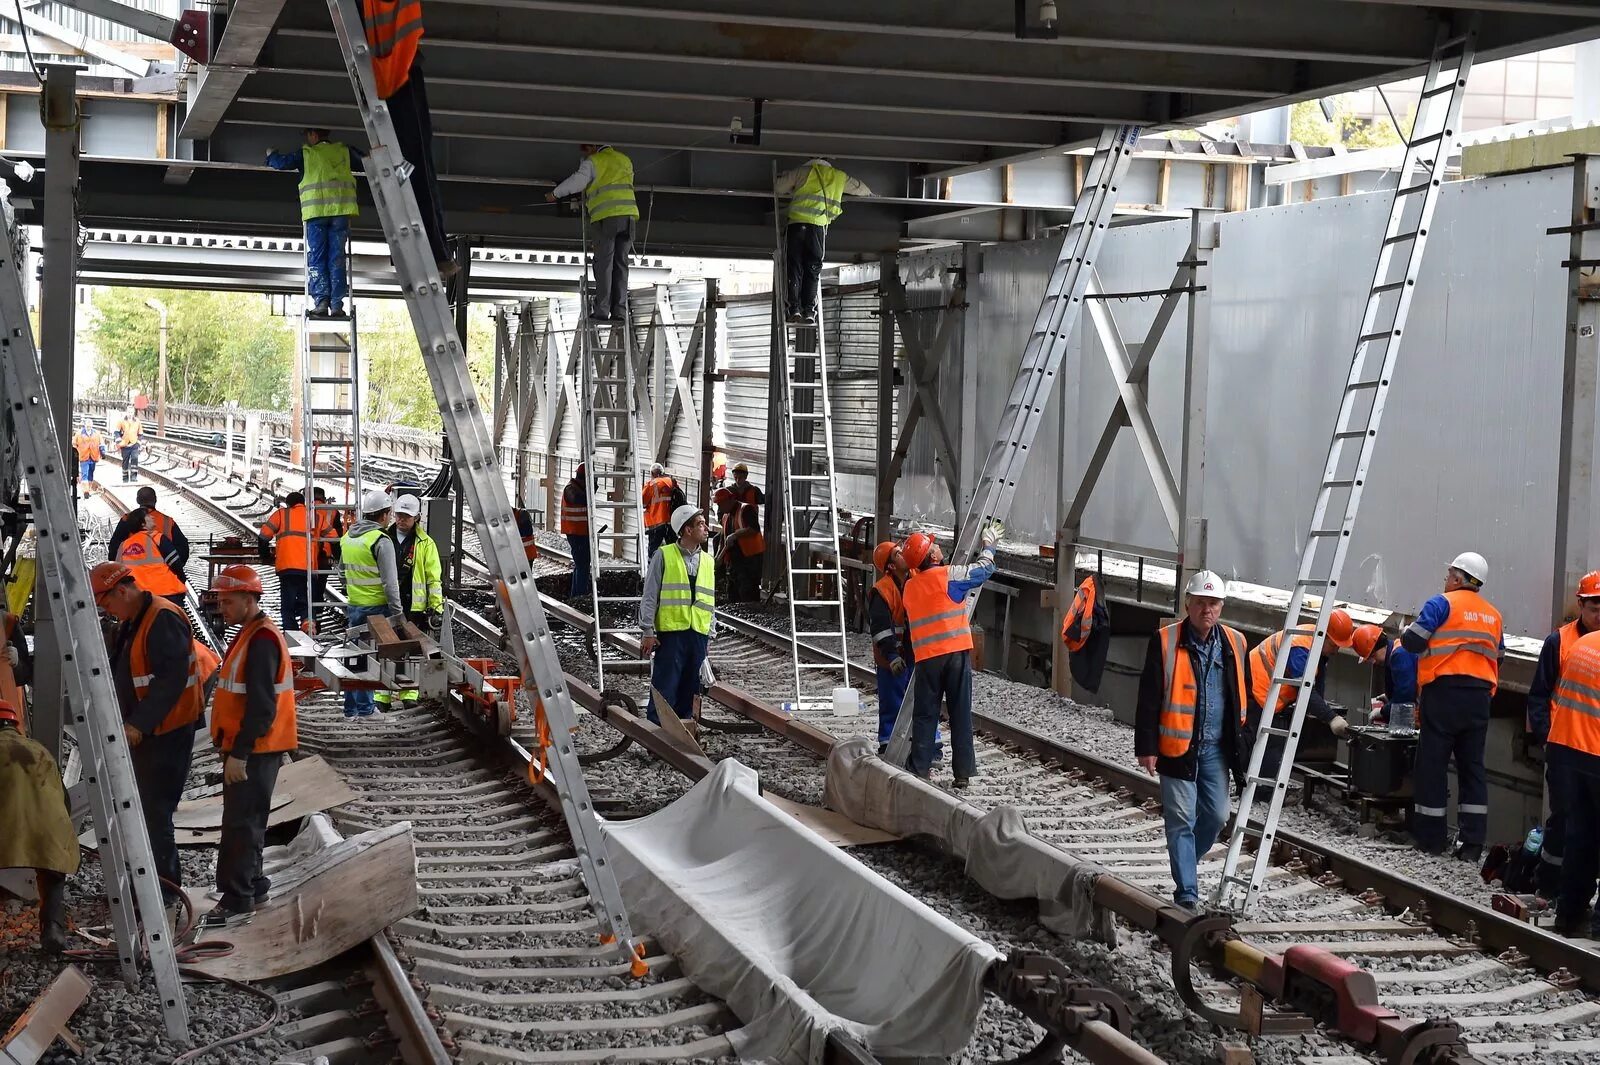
(810, 494)
(527, 629)
(124, 846)
(331, 400)
(1433, 137)
(613, 477)
(1041, 361)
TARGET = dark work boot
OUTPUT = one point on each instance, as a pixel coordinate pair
(52, 912)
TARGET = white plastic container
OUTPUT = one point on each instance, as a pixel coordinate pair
(846, 702)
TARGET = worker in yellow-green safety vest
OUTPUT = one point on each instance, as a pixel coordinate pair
(371, 582)
(327, 203)
(421, 574)
(606, 178)
(816, 195)
(675, 615)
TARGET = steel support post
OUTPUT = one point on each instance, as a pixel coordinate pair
(708, 396)
(968, 468)
(523, 395)
(883, 500)
(58, 303)
(1197, 371)
(1580, 361)
(776, 564)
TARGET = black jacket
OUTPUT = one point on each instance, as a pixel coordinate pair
(1153, 699)
(1088, 664)
(261, 662)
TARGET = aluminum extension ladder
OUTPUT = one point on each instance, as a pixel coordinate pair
(125, 856)
(613, 477)
(527, 629)
(1041, 361)
(1433, 137)
(331, 399)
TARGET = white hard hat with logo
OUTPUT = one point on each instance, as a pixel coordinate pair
(408, 504)
(1208, 584)
(374, 501)
(1473, 565)
(683, 516)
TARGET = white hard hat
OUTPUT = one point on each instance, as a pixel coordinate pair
(1208, 584)
(374, 501)
(1473, 565)
(408, 504)
(683, 516)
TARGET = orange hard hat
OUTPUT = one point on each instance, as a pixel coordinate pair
(1366, 640)
(9, 713)
(916, 548)
(237, 579)
(880, 555)
(106, 576)
(1341, 630)
(1589, 587)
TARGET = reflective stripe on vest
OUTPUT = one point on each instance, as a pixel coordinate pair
(232, 696)
(820, 197)
(658, 502)
(287, 528)
(1177, 713)
(363, 585)
(140, 554)
(186, 711)
(610, 192)
(938, 626)
(87, 447)
(683, 605)
(1079, 622)
(574, 516)
(327, 185)
(1575, 703)
(1467, 644)
(393, 29)
(1265, 657)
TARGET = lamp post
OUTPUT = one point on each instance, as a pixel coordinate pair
(161, 372)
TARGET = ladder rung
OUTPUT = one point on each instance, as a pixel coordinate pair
(320, 411)
(1438, 90)
(1324, 532)
(813, 539)
(835, 666)
(805, 384)
(1373, 382)
(809, 477)
(1429, 139)
(609, 410)
(611, 503)
(797, 417)
(1266, 782)
(611, 441)
(1412, 190)
(1390, 287)
(832, 572)
(1381, 334)
(612, 473)
(1352, 434)
(1399, 238)
(1274, 730)
(1340, 482)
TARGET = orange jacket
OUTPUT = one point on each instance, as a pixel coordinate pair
(574, 514)
(141, 554)
(1177, 715)
(394, 30)
(88, 446)
(1265, 657)
(657, 502)
(292, 545)
(228, 705)
(938, 625)
(1078, 623)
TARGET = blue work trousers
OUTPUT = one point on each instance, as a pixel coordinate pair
(579, 546)
(325, 242)
(675, 671)
(944, 680)
(86, 471)
(1582, 859)
(1194, 811)
(360, 703)
(1455, 724)
(891, 693)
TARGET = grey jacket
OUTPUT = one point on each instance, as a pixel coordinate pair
(388, 569)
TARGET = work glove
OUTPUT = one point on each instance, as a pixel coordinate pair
(1339, 726)
(897, 666)
(707, 677)
(991, 535)
(11, 654)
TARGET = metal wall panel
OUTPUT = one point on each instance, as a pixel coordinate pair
(929, 281)
(744, 346)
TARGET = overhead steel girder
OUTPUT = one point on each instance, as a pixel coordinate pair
(249, 24)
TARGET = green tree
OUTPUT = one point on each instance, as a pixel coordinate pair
(1308, 125)
(398, 389)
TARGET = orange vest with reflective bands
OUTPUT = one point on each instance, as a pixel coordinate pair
(742, 493)
(394, 30)
(187, 709)
(658, 502)
(326, 533)
(751, 542)
(1575, 703)
(1569, 638)
(287, 528)
(529, 535)
(938, 626)
(87, 446)
(1265, 656)
(1177, 715)
(129, 431)
(1079, 621)
(890, 591)
(1467, 644)
(574, 516)
(140, 554)
(228, 705)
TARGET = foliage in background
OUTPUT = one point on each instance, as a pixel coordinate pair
(398, 389)
(1308, 125)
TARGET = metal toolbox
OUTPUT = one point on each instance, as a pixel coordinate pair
(1381, 761)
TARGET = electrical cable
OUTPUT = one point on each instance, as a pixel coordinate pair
(26, 46)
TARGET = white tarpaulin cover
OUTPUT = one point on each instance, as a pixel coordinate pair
(796, 936)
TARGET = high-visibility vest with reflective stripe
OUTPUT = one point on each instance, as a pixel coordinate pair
(751, 542)
(574, 516)
(427, 573)
(363, 584)
(141, 554)
(525, 529)
(228, 704)
(130, 430)
(88, 446)
(1575, 703)
(1075, 627)
(1569, 639)
(287, 529)
(186, 711)
(684, 604)
(1265, 657)
(658, 502)
(326, 532)
(1467, 644)
(820, 197)
(394, 30)
(1183, 693)
(895, 601)
(938, 626)
(610, 192)
(327, 185)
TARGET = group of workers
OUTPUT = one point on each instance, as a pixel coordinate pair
(89, 444)
(301, 548)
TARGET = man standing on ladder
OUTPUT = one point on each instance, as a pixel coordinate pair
(284, 540)
(371, 583)
(327, 203)
(421, 575)
(816, 194)
(658, 507)
(606, 178)
(575, 527)
(1190, 726)
(676, 615)
(1458, 638)
(891, 640)
(89, 445)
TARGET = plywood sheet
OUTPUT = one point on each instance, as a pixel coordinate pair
(310, 783)
(834, 827)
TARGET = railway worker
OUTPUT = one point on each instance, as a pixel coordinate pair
(371, 582)
(285, 541)
(744, 553)
(575, 527)
(1341, 630)
(145, 554)
(160, 683)
(1574, 748)
(253, 724)
(16, 662)
(176, 556)
(421, 575)
(1552, 658)
(37, 829)
(816, 193)
(329, 530)
(128, 431)
(891, 638)
(526, 531)
(90, 446)
(935, 597)
(1374, 647)
(605, 177)
(1191, 726)
(1458, 640)
(676, 614)
(327, 203)
(745, 493)
(658, 508)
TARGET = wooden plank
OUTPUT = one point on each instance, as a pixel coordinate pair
(832, 826)
(312, 784)
(391, 645)
(1164, 183)
(673, 727)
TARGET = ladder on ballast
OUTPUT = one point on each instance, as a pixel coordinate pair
(1434, 133)
(527, 629)
(126, 861)
(1041, 361)
(331, 400)
(613, 481)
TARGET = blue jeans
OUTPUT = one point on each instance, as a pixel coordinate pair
(86, 471)
(293, 598)
(325, 241)
(945, 679)
(360, 703)
(579, 546)
(1195, 811)
(675, 671)
(891, 693)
